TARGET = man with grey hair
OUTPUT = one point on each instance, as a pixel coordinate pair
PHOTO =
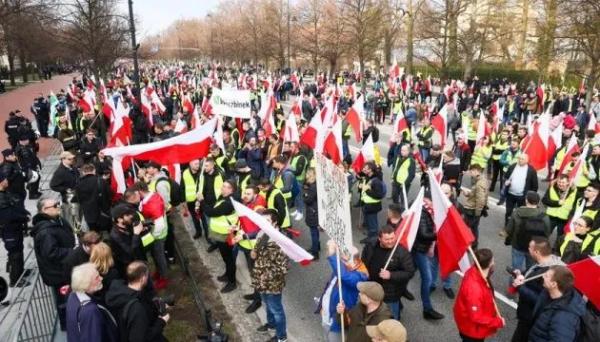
(86, 319)
(53, 241)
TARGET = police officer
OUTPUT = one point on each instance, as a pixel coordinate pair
(41, 110)
(13, 172)
(31, 166)
(13, 218)
(11, 128)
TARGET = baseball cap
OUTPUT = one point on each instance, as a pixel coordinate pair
(390, 330)
(120, 211)
(372, 290)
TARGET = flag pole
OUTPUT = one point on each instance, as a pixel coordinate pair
(339, 281)
(486, 280)
(402, 231)
(404, 197)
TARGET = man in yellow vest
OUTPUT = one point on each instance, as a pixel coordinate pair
(210, 183)
(223, 221)
(244, 175)
(559, 200)
(498, 147)
(283, 178)
(298, 165)
(276, 201)
(190, 182)
(402, 175)
(371, 194)
(424, 137)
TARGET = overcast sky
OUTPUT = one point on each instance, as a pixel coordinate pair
(156, 15)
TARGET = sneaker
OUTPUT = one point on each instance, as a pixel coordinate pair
(299, 217)
(500, 202)
(265, 327)
(449, 293)
(229, 287)
(212, 248)
(432, 315)
(161, 283)
(249, 296)
(408, 295)
(198, 235)
(223, 278)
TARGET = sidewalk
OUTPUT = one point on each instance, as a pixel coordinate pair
(22, 98)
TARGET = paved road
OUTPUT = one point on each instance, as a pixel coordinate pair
(305, 283)
(22, 98)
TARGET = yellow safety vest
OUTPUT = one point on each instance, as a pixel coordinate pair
(152, 187)
(218, 183)
(271, 205)
(512, 158)
(348, 132)
(424, 131)
(590, 237)
(481, 156)
(560, 155)
(294, 163)
(561, 212)
(246, 243)
(591, 213)
(279, 185)
(401, 171)
(243, 182)
(366, 199)
(498, 148)
(191, 186)
(221, 224)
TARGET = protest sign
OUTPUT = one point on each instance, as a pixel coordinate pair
(231, 102)
(334, 202)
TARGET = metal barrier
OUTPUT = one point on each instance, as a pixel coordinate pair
(32, 314)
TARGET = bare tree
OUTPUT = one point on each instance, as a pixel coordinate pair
(363, 19)
(310, 28)
(547, 27)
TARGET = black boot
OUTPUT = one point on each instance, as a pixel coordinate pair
(257, 303)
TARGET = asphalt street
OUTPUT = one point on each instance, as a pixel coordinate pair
(306, 283)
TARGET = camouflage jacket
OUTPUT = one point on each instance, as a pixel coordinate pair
(270, 267)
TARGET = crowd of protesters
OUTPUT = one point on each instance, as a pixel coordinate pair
(93, 245)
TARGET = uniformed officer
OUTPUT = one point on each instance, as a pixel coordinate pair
(13, 172)
(30, 164)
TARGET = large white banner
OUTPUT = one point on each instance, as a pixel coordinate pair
(334, 202)
(231, 102)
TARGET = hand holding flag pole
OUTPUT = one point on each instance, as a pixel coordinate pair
(484, 277)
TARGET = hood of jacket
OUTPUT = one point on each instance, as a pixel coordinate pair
(41, 221)
(571, 301)
(526, 212)
(119, 294)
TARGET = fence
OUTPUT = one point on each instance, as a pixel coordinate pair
(31, 314)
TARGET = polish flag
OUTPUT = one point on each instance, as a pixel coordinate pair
(196, 118)
(593, 125)
(266, 113)
(555, 140)
(587, 280)
(176, 150)
(312, 131)
(453, 236)
(107, 105)
(482, 130)
(120, 129)
(180, 126)
(297, 107)
(354, 116)
(218, 136)
(400, 124)
(440, 124)
(85, 106)
(332, 145)
(289, 247)
(572, 147)
(409, 226)
(147, 108)
(206, 107)
(577, 169)
(395, 70)
(366, 154)
(187, 104)
(570, 225)
(295, 81)
(541, 98)
(174, 171)
(290, 130)
(536, 147)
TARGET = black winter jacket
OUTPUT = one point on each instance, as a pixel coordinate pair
(63, 179)
(93, 195)
(14, 174)
(53, 242)
(426, 233)
(13, 218)
(557, 320)
(531, 183)
(136, 315)
(126, 248)
(312, 205)
(401, 267)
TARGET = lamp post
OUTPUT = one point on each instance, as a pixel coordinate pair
(134, 47)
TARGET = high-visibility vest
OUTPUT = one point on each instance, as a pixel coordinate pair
(568, 237)
(511, 159)
(221, 224)
(561, 212)
(191, 186)
(560, 155)
(348, 132)
(279, 185)
(364, 197)
(243, 182)
(590, 244)
(424, 131)
(481, 156)
(401, 170)
(246, 243)
(582, 181)
(152, 187)
(218, 183)
(591, 213)
(498, 148)
(397, 107)
(312, 163)
(294, 164)
(271, 205)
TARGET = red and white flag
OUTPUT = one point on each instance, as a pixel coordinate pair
(593, 124)
(312, 131)
(572, 147)
(332, 145)
(587, 278)
(120, 129)
(187, 104)
(366, 154)
(453, 235)
(297, 107)
(440, 124)
(482, 130)
(577, 170)
(355, 116)
(555, 140)
(536, 147)
(287, 245)
(290, 130)
(267, 109)
(406, 232)
(400, 124)
(176, 150)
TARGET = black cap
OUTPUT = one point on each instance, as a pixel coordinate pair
(121, 210)
(7, 152)
(241, 164)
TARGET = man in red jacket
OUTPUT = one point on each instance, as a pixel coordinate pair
(474, 310)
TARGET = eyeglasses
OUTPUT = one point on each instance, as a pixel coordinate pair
(55, 205)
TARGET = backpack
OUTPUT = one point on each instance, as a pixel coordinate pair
(530, 227)
(176, 194)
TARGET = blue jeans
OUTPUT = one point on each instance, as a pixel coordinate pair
(435, 266)
(275, 313)
(396, 308)
(298, 201)
(424, 266)
(315, 245)
(424, 153)
(371, 224)
(345, 148)
(521, 260)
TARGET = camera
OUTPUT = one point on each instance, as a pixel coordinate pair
(147, 223)
(162, 302)
(511, 271)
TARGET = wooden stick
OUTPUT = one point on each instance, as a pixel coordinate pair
(404, 197)
(486, 280)
(533, 278)
(339, 280)
(402, 231)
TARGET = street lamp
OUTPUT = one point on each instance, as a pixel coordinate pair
(134, 47)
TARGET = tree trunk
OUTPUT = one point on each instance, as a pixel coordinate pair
(11, 68)
(592, 79)
(519, 62)
(452, 24)
(332, 67)
(23, 67)
(410, 27)
(388, 42)
(546, 41)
